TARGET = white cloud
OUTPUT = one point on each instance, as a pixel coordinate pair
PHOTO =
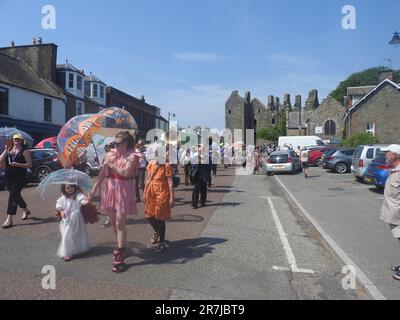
(198, 57)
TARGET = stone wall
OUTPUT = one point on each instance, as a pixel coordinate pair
(234, 112)
(383, 109)
(330, 109)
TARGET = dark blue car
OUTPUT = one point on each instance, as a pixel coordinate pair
(378, 171)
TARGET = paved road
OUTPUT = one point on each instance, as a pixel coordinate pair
(247, 243)
(349, 211)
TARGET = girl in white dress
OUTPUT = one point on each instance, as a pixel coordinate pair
(74, 239)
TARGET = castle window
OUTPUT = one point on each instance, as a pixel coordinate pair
(273, 120)
(330, 128)
(259, 110)
(230, 111)
(255, 122)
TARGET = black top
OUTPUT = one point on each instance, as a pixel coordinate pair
(16, 172)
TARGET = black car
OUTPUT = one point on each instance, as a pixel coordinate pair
(44, 161)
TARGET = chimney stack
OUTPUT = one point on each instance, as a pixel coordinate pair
(39, 40)
(385, 74)
(34, 41)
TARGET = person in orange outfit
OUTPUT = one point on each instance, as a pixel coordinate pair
(158, 198)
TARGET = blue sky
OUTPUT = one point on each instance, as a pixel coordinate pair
(187, 56)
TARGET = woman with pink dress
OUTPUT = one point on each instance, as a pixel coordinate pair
(118, 191)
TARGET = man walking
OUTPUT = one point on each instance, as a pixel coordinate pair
(390, 212)
(201, 176)
(304, 161)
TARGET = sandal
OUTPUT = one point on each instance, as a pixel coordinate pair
(161, 247)
(119, 260)
(155, 238)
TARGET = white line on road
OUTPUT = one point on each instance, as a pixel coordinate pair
(362, 278)
(286, 246)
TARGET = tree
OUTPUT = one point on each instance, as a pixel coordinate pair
(358, 140)
(366, 77)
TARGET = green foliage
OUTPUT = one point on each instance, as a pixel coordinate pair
(359, 139)
(367, 77)
(272, 133)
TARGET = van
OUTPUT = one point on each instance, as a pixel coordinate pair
(362, 158)
(301, 141)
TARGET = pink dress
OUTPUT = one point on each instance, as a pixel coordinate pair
(119, 192)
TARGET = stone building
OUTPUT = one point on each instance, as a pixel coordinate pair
(378, 113)
(326, 121)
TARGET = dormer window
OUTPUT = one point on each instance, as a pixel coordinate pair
(71, 80)
(95, 90)
(102, 92)
(79, 83)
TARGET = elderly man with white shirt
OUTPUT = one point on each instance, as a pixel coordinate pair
(390, 212)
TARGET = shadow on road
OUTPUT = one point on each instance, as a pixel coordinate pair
(37, 221)
(178, 252)
(377, 190)
(175, 218)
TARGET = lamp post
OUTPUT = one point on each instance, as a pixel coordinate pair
(395, 40)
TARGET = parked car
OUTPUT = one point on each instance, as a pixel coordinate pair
(283, 161)
(44, 161)
(378, 171)
(300, 141)
(340, 161)
(315, 156)
(327, 154)
(362, 157)
(93, 165)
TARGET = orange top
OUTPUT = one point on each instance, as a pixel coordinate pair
(157, 194)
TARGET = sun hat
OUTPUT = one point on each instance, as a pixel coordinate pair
(18, 136)
(393, 147)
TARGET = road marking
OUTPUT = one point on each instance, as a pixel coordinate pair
(286, 245)
(362, 278)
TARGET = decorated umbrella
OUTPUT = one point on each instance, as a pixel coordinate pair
(47, 143)
(65, 176)
(6, 135)
(81, 130)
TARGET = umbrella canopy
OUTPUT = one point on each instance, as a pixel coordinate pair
(47, 143)
(6, 135)
(81, 130)
(65, 176)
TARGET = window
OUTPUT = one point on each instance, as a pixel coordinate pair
(101, 92)
(87, 89)
(79, 108)
(47, 110)
(70, 80)
(370, 153)
(255, 122)
(3, 101)
(330, 128)
(79, 83)
(94, 90)
(348, 152)
(230, 111)
(371, 128)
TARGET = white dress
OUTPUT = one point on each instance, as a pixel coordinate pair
(74, 238)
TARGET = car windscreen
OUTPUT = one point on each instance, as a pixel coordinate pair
(279, 158)
(329, 152)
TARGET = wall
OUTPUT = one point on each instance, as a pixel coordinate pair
(27, 105)
(383, 109)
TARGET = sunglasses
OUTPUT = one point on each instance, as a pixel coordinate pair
(118, 144)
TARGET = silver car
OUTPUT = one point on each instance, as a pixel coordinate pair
(362, 158)
(283, 161)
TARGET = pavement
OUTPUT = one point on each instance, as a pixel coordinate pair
(348, 211)
(249, 242)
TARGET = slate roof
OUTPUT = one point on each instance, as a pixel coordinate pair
(17, 73)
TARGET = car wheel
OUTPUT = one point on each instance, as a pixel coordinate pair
(88, 170)
(341, 168)
(318, 163)
(42, 173)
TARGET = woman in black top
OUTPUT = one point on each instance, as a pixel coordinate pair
(18, 160)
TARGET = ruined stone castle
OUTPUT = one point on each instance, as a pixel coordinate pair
(324, 120)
